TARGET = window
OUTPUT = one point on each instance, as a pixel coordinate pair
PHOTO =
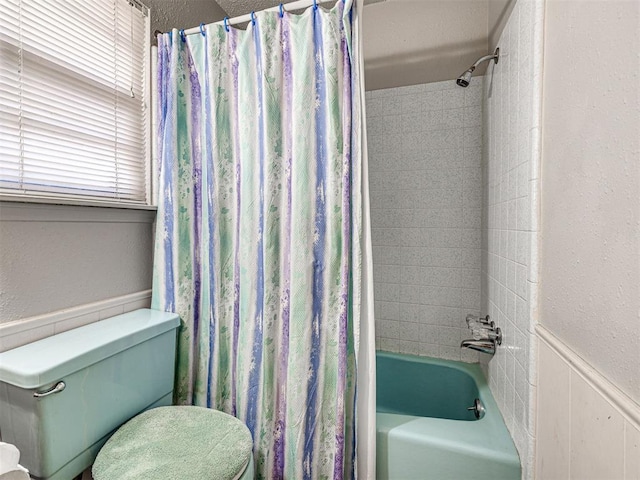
(74, 120)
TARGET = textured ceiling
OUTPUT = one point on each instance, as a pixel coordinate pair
(235, 8)
(168, 14)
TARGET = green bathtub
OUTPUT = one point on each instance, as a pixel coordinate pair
(424, 430)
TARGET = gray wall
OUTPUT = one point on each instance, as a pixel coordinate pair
(590, 270)
(60, 256)
(55, 257)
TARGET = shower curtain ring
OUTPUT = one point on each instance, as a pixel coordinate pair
(183, 36)
(281, 11)
(202, 29)
(253, 18)
(226, 23)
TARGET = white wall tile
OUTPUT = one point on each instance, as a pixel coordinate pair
(91, 317)
(79, 321)
(389, 344)
(111, 312)
(448, 336)
(388, 328)
(387, 310)
(450, 118)
(15, 334)
(554, 404)
(392, 106)
(631, 452)
(428, 333)
(473, 116)
(386, 273)
(411, 104)
(435, 100)
(509, 254)
(586, 427)
(473, 95)
(425, 147)
(429, 349)
(449, 353)
(137, 304)
(388, 292)
(408, 331)
(412, 348)
(597, 434)
(10, 342)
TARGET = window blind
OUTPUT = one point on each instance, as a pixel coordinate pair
(74, 120)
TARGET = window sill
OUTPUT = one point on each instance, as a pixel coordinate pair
(42, 209)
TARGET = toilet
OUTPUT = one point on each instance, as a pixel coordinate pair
(103, 392)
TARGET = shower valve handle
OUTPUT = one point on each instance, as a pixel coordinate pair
(481, 322)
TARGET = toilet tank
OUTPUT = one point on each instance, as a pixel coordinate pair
(100, 376)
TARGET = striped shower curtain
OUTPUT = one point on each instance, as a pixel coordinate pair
(259, 244)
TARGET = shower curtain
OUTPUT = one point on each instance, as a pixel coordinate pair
(262, 238)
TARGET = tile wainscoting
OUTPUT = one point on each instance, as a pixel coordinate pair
(20, 332)
(586, 427)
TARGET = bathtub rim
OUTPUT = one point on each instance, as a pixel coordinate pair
(472, 369)
(498, 444)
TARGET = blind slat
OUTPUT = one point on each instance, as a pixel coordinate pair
(68, 123)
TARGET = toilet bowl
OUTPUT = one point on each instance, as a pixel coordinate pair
(63, 397)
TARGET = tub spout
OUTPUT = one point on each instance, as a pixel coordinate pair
(484, 346)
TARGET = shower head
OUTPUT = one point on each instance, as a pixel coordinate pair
(465, 79)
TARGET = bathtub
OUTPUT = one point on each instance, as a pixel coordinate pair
(424, 430)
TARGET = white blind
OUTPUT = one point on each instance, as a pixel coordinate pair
(74, 86)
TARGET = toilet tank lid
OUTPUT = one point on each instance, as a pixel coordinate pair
(48, 360)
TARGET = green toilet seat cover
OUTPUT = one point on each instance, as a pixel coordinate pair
(176, 443)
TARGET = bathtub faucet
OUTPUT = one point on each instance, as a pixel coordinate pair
(485, 335)
(484, 346)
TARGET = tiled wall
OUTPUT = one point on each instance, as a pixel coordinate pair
(20, 332)
(511, 178)
(425, 153)
(587, 428)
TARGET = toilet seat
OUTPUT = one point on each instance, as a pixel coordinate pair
(175, 443)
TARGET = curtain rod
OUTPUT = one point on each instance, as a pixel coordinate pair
(299, 4)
